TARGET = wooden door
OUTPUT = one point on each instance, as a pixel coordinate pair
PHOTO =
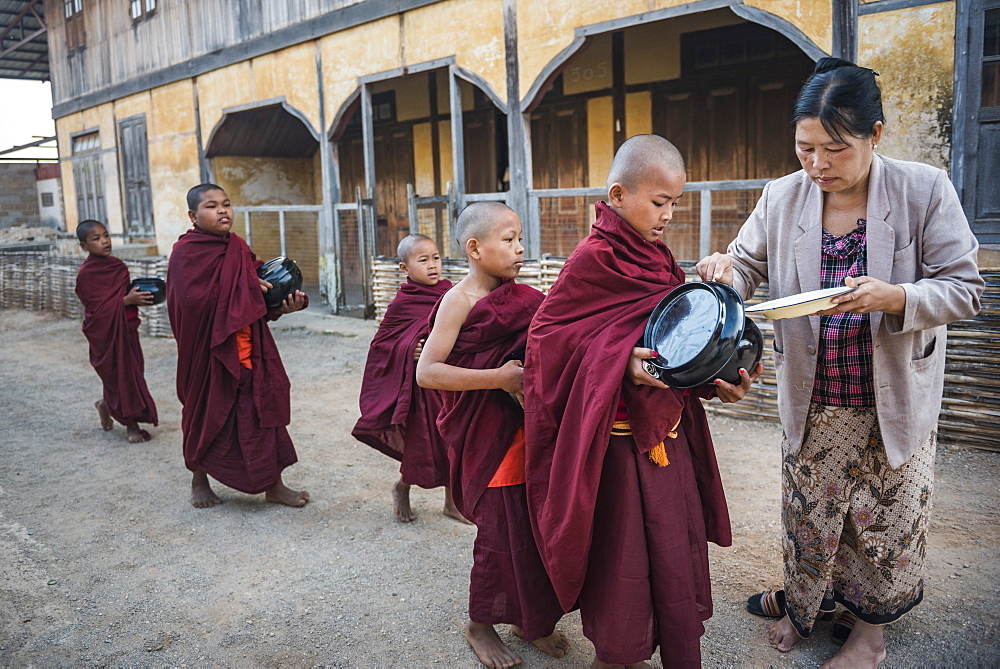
(135, 173)
(393, 170)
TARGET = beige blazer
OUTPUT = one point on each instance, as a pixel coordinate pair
(917, 237)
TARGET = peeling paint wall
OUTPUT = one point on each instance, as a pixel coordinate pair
(914, 52)
(813, 17)
(275, 181)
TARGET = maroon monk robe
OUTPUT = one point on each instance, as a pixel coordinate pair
(398, 416)
(213, 291)
(508, 583)
(577, 352)
(112, 329)
(479, 425)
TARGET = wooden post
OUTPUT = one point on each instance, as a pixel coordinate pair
(281, 231)
(329, 279)
(518, 138)
(845, 29)
(705, 228)
(368, 142)
(411, 209)
(619, 130)
(457, 140)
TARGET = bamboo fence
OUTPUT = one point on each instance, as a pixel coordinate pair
(43, 281)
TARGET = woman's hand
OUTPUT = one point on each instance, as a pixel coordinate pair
(869, 295)
(637, 374)
(294, 302)
(716, 267)
(729, 393)
(137, 297)
(512, 379)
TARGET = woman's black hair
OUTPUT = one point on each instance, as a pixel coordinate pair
(843, 96)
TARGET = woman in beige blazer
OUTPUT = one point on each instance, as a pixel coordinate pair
(859, 385)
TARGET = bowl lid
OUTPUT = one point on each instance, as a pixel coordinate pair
(686, 324)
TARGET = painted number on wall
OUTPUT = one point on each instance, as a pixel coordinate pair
(599, 71)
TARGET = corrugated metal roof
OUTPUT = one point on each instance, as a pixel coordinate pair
(24, 48)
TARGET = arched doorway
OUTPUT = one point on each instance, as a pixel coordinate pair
(265, 155)
(718, 86)
(411, 118)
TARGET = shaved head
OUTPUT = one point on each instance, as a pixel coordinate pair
(84, 228)
(478, 219)
(406, 244)
(194, 195)
(640, 154)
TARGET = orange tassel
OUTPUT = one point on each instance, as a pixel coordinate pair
(658, 455)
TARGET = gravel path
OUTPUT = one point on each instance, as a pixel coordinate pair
(104, 562)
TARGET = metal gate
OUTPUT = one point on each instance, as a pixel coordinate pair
(354, 235)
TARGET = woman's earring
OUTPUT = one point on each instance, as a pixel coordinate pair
(874, 146)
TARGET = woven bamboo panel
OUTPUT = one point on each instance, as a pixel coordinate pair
(970, 410)
(155, 321)
(44, 281)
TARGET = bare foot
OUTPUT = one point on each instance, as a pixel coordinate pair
(451, 510)
(782, 635)
(137, 435)
(488, 647)
(865, 647)
(279, 493)
(401, 502)
(106, 422)
(202, 496)
(554, 644)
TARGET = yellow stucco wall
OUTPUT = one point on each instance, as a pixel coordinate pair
(638, 113)
(173, 159)
(220, 89)
(470, 30)
(273, 181)
(813, 17)
(289, 73)
(423, 160)
(600, 136)
(913, 51)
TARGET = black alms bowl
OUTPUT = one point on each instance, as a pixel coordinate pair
(285, 278)
(151, 285)
(701, 333)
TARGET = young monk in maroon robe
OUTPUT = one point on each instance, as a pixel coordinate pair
(473, 354)
(229, 374)
(623, 486)
(398, 416)
(111, 325)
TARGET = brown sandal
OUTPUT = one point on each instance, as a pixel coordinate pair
(842, 627)
(771, 604)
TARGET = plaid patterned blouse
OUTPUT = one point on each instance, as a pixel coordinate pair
(844, 375)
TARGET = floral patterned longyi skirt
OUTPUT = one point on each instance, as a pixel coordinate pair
(852, 523)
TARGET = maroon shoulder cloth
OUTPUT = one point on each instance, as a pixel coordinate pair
(479, 425)
(213, 291)
(392, 404)
(577, 352)
(112, 329)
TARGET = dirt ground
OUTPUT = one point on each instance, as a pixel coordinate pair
(104, 562)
